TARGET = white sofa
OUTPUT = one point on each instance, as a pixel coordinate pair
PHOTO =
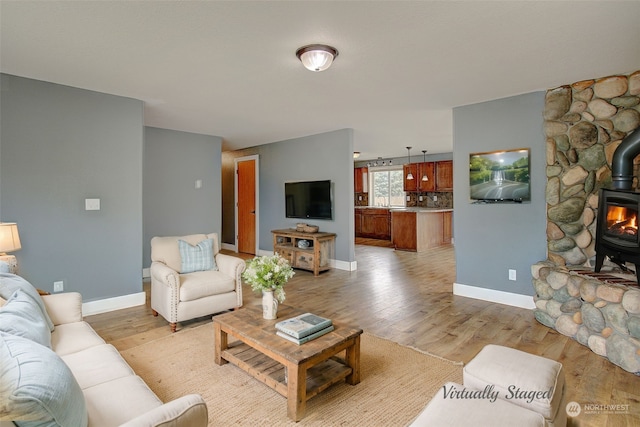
(78, 380)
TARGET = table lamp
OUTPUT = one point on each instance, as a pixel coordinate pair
(9, 242)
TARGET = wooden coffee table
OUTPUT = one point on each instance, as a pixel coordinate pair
(298, 372)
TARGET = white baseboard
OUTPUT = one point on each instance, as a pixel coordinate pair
(111, 304)
(344, 265)
(492, 295)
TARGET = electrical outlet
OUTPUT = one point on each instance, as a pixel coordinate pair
(435, 198)
(58, 286)
(512, 274)
(408, 198)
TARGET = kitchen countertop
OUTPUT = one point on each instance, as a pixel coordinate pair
(422, 210)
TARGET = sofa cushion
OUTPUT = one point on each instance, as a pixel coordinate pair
(198, 257)
(97, 365)
(118, 401)
(21, 316)
(9, 283)
(203, 284)
(37, 388)
(72, 337)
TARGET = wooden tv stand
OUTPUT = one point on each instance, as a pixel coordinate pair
(315, 258)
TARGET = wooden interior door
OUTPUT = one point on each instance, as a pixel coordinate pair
(247, 207)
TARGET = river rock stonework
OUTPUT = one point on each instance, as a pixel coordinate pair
(584, 123)
(599, 310)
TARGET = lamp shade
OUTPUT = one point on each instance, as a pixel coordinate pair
(317, 57)
(9, 238)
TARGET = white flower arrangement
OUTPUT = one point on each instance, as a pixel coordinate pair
(269, 273)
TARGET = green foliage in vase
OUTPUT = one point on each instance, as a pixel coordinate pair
(269, 273)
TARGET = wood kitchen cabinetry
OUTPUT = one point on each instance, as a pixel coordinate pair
(428, 169)
(404, 230)
(373, 223)
(361, 180)
(307, 251)
(410, 184)
(420, 230)
(447, 227)
(444, 175)
(440, 176)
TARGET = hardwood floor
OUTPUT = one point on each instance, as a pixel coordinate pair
(407, 297)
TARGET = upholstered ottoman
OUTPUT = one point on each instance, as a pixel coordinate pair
(456, 410)
(529, 381)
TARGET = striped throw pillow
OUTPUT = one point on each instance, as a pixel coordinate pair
(198, 257)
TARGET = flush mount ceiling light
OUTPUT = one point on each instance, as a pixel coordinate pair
(317, 57)
(409, 175)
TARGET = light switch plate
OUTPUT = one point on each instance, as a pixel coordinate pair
(91, 204)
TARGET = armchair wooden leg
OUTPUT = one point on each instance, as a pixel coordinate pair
(173, 326)
(155, 313)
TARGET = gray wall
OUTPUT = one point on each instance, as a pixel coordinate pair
(172, 206)
(317, 157)
(61, 145)
(493, 238)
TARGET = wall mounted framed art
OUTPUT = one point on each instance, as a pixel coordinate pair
(500, 176)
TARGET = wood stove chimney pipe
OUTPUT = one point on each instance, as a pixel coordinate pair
(622, 162)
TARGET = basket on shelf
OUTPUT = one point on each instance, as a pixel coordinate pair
(306, 228)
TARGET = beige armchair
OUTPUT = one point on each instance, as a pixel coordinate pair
(178, 293)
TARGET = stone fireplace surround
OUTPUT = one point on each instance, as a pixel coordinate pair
(584, 123)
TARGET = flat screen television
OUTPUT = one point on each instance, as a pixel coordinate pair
(500, 176)
(308, 199)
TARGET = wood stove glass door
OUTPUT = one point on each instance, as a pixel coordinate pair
(622, 223)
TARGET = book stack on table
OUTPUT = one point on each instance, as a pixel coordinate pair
(303, 328)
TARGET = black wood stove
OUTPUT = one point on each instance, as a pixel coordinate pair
(617, 226)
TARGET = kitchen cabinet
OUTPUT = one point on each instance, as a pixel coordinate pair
(410, 184)
(440, 176)
(403, 230)
(361, 179)
(420, 230)
(447, 227)
(444, 175)
(428, 169)
(374, 223)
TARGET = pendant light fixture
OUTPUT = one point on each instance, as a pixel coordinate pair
(409, 175)
(424, 156)
(317, 57)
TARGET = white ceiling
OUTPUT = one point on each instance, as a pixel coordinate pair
(229, 68)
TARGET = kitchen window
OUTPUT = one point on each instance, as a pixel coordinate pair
(387, 187)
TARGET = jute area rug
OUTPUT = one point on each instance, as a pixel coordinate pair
(396, 383)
